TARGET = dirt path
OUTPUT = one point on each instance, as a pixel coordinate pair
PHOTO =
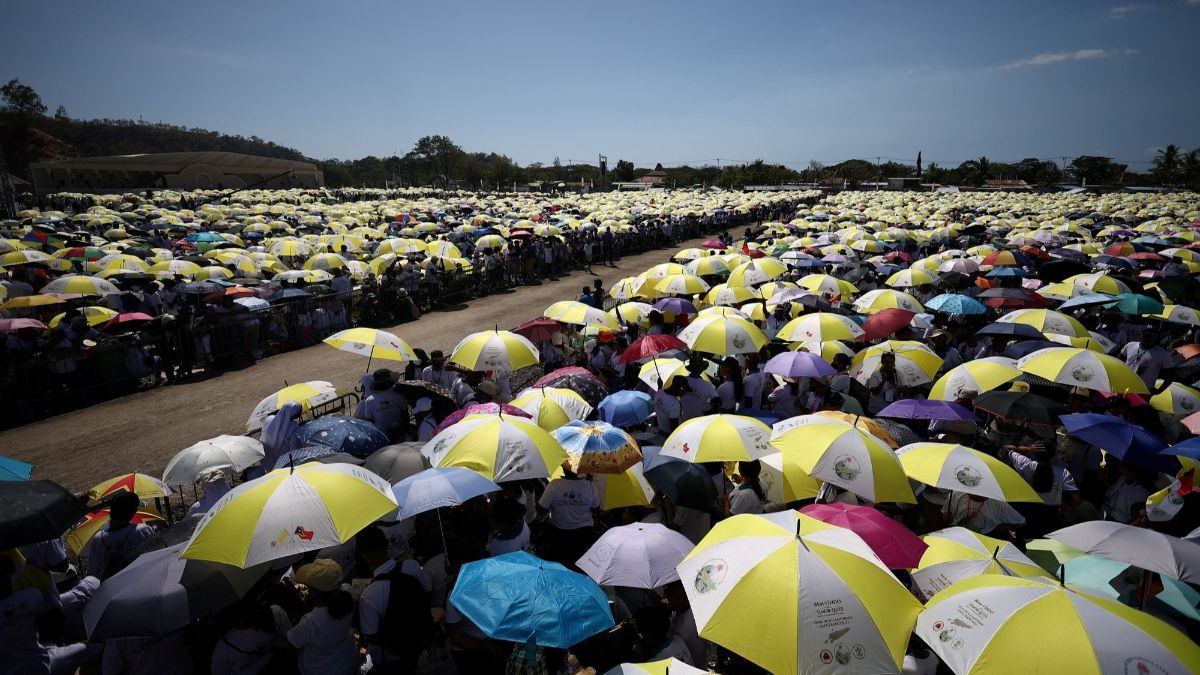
(142, 431)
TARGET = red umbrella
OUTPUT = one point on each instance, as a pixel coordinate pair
(14, 325)
(712, 243)
(127, 320)
(1144, 255)
(537, 330)
(895, 545)
(756, 253)
(1035, 252)
(649, 345)
(886, 322)
(1012, 297)
(897, 255)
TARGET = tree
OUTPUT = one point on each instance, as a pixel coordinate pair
(22, 99)
(60, 114)
(1166, 164)
(623, 171)
(1190, 166)
(976, 170)
(440, 154)
(1097, 170)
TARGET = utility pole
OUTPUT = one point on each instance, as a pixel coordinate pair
(878, 173)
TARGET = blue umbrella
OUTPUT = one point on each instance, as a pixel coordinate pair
(597, 447)
(307, 453)
(1027, 347)
(626, 407)
(1087, 300)
(519, 597)
(1114, 261)
(1008, 272)
(344, 434)
(439, 487)
(205, 237)
(953, 303)
(1128, 442)
(11, 469)
(288, 294)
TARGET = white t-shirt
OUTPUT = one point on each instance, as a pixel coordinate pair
(698, 401)
(570, 503)
(729, 402)
(326, 644)
(1063, 481)
(1147, 363)
(982, 517)
(743, 500)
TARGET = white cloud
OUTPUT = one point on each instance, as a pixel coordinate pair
(1047, 58)
(1121, 11)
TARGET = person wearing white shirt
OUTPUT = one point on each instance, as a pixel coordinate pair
(667, 408)
(509, 531)
(980, 514)
(1147, 359)
(570, 501)
(324, 636)
(699, 400)
(391, 652)
(436, 372)
(756, 384)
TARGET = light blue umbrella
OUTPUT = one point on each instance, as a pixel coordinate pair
(519, 597)
(954, 303)
(1086, 300)
(11, 469)
(626, 407)
(434, 488)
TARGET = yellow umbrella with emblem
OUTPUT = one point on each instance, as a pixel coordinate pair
(725, 335)
(844, 455)
(957, 553)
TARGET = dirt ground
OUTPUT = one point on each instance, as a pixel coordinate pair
(141, 432)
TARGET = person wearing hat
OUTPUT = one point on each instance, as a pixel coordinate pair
(436, 372)
(385, 407)
(424, 419)
(701, 398)
(324, 636)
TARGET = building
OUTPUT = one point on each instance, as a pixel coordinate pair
(175, 171)
(1007, 185)
(656, 177)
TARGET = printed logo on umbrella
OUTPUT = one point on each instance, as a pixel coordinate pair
(847, 468)
(968, 475)
(1083, 373)
(710, 576)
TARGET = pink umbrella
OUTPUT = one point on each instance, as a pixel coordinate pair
(885, 322)
(481, 409)
(14, 325)
(895, 545)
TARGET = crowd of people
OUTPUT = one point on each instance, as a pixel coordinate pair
(989, 378)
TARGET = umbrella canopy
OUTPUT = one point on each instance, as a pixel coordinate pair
(518, 597)
(437, 488)
(141, 484)
(1176, 399)
(895, 545)
(798, 364)
(626, 407)
(996, 623)
(1011, 330)
(159, 593)
(578, 380)
(962, 469)
(1079, 367)
(820, 327)
(497, 447)
(308, 394)
(1128, 442)
(956, 553)
(650, 345)
(495, 350)
(552, 407)
(11, 469)
(312, 453)
(38, 510)
(718, 438)
(372, 343)
(916, 363)
(725, 335)
(951, 303)
(343, 434)
(1021, 406)
(844, 455)
(290, 511)
(394, 463)
(793, 569)
(784, 481)
(480, 409)
(640, 555)
(670, 666)
(597, 447)
(537, 330)
(1150, 550)
(976, 376)
(1046, 321)
(886, 322)
(220, 452)
(684, 483)
(922, 409)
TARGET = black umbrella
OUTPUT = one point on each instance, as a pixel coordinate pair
(578, 380)
(1021, 349)
(33, 511)
(1020, 405)
(443, 401)
(1011, 330)
(684, 483)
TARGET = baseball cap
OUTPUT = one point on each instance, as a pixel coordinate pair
(321, 574)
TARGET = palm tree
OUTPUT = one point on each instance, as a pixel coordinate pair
(978, 169)
(1191, 167)
(1167, 162)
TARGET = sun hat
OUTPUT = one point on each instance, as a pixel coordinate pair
(321, 574)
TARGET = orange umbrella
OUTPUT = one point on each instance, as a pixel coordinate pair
(145, 486)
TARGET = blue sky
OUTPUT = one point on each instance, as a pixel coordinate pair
(664, 81)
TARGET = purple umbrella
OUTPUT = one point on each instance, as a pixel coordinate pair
(920, 409)
(799, 364)
(675, 306)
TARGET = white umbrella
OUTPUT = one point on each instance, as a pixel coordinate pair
(641, 555)
(434, 488)
(220, 452)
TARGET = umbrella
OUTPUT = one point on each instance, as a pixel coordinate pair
(626, 408)
(290, 511)
(96, 520)
(684, 283)
(139, 483)
(1086, 300)
(675, 306)
(439, 487)
(581, 314)
(895, 545)
(784, 481)
(956, 553)
(1078, 367)
(1133, 303)
(922, 409)
(480, 409)
(1128, 442)
(1017, 405)
(1011, 330)
(413, 390)
(684, 483)
(953, 303)
(980, 375)
(798, 364)
(38, 510)
(308, 394)
(521, 598)
(718, 438)
(820, 327)
(640, 555)
(1150, 550)
(725, 335)
(497, 447)
(995, 623)
(998, 298)
(597, 447)
(371, 343)
(170, 535)
(552, 407)
(578, 380)
(962, 469)
(288, 294)
(307, 453)
(394, 463)
(13, 470)
(1046, 321)
(844, 455)
(220, 452)
(916, 363)
(619, 490)
(887, 298)
(14, 325)
(650, 345)
(159, 593)
(537, 330)
(494, 350)
(343, 434)
(885, 322)
(756, 582)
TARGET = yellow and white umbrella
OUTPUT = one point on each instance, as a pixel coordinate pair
(887, 298)
(290, 248)
(628, 313)
(796, 595)
(670, 666)
(724, 294)
(498, 447)
(916, 363)
(661, 369)
(725, 335)
(820, 327)
(784, 481)
(1002, 624)
(1077, 367)
(443, 249)
(757, 272)
(290, 511)
(978, 376)
(962, 469)
(630, 288)
(372, 343)
(1047, 321)
(80, 284)
(325, 261)
(93, 314)
(1178, 314)
(829, 286)
(718, 438)
(911, 278)
(1176, 399)
(844, 455)
(957, 553)
(1099, 283)
(664, 270)
(681, 284)
(581, 314)
(307, 394)
(708, 265)
(495, 350)
(552, 407)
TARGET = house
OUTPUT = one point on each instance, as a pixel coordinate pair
(656, 177)
(1005, 185)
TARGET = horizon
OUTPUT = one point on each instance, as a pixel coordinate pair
(669, 83)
